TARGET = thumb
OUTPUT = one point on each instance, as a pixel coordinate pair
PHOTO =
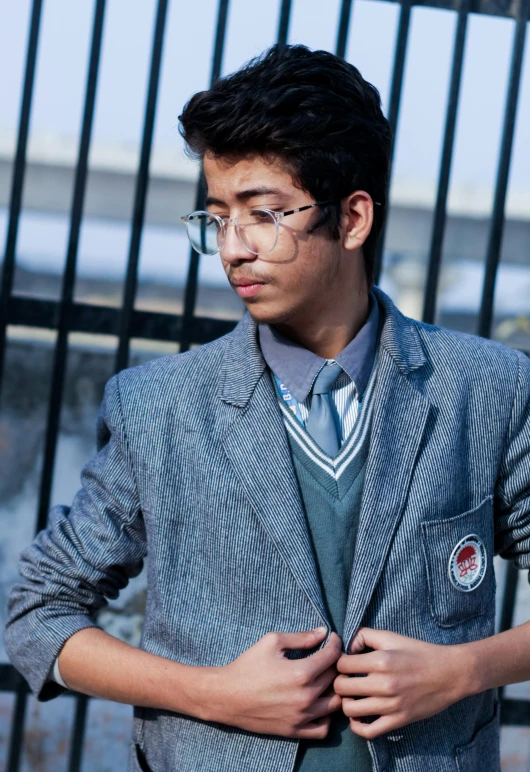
(367, 638)
(305, 639)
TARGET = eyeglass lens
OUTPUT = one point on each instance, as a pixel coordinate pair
(256, 228)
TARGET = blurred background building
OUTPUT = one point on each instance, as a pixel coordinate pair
(96, 270)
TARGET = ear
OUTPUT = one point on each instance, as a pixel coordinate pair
(357, 219)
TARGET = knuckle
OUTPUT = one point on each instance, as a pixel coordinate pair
(300, 676)
(273, 638)
(383, 660)
(302, 700)
(398, 703)
(391, 685)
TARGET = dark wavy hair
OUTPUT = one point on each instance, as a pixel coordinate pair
(313, 110)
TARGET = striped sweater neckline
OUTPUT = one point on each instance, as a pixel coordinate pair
(335, 466)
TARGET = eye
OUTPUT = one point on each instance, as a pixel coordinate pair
(261, 214)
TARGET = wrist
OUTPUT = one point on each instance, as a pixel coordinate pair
(468, 678)
(199, 693)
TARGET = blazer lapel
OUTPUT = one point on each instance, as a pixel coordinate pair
(398, 425)
(257, 448)
(258, 451)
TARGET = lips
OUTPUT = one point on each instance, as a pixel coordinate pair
(247, 288)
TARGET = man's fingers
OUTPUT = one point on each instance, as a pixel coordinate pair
(324, 705)
(314, 730)
(322, 659)
(377, 727)
(368, 638)
(325, 680)
(368, 706)
(369, 686)
(361, 664)
(305, 639)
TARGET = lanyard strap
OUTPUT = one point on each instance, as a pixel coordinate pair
(286, 396)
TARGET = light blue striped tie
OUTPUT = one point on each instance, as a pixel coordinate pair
(320, 422)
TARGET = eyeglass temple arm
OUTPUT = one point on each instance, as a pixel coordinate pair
(310, 206)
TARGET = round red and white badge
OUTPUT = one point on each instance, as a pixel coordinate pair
(467, 564)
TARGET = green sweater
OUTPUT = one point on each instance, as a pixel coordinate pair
(332, 509)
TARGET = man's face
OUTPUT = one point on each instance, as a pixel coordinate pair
(301, 275)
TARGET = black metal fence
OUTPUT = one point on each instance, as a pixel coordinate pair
(66, 316)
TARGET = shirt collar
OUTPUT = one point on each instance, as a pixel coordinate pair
(297, 367)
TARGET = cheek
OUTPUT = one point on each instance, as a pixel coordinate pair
(318, 263)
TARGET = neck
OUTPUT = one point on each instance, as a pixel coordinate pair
(328, 333)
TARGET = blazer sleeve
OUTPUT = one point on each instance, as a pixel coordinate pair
(86, 554)
(512, 499)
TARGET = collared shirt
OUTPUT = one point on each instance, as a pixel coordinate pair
(297, 368)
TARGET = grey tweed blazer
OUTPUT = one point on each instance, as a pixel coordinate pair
(193, 470)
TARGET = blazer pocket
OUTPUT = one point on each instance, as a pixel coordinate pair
(458, 553)
(483, 751)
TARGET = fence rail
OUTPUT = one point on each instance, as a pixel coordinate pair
(65, 316)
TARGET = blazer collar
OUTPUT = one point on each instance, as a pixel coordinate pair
(400, 336)
(243, 362)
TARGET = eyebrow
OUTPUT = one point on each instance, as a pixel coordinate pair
(244, 195)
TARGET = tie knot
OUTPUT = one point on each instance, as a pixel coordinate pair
(326, 378)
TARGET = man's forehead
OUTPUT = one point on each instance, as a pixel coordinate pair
(236, 174)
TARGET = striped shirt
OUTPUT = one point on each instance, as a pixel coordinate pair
(345, 399)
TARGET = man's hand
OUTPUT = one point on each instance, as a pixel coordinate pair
(405, 680)
(263, 691)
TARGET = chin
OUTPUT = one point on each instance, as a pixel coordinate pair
(264, 314)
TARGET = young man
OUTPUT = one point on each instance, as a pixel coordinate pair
(320, 493)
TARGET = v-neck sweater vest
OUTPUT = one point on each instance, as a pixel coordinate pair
(331, 492)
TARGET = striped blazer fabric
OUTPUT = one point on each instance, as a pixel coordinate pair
(193, 474)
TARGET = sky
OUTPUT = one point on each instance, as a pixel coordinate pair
(252, 27)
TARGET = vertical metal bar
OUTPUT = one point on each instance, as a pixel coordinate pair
(393, 112)
(501, 185)
(8, 272)
(508, 597)
(219, 47)
(67, 290)
(440, 210)
(61, 345)
(344, 26)
(190, 291)
(140, 193)
(17, 731)
(508, 601)
(78, 734)
(17, 183)
(283, 22)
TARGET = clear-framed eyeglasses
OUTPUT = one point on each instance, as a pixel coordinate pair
(257, 229)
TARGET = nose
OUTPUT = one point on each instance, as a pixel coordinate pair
(233, 251)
